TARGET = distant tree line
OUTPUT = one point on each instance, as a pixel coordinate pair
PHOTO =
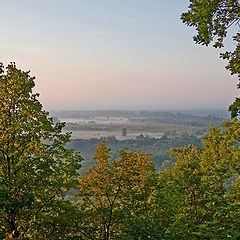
(158, 148)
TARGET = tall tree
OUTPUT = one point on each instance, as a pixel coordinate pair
(203, 188)
(35, 168)
(212, 20)
(114, 196)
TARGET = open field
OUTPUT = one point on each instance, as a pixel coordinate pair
(77, 134)
(106, 128)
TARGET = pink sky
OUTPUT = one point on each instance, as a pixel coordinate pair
(127, 55)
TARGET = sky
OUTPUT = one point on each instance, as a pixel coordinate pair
(109, 54)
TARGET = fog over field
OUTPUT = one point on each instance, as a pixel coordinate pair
(154, 124)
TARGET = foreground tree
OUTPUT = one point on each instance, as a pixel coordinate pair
(114, 196)
(35, 168)
(212, 20)
(203, 189)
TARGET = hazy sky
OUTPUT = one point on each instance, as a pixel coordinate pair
(109, 54)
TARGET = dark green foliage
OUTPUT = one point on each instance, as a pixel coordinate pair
(124, 132)
(212, 20)
(158, 148)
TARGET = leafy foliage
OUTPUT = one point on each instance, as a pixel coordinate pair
(114, 195)
(212, 19)
(202, 189)
(35, 168)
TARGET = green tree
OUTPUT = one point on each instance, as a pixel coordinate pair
(124, 132)
(114, 196)
(199, 197)
(212, 20)
(35, 168)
